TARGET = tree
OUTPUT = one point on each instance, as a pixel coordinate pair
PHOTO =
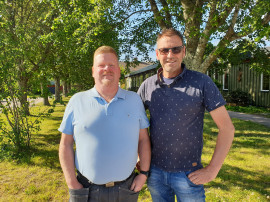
(20, 47)
(201, 21)
(79, 28)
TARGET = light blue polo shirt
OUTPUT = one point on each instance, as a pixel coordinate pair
(106, 134)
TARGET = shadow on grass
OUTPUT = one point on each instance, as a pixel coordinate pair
(54, 118)
(253, 138)
(242, 178)
(42, 158)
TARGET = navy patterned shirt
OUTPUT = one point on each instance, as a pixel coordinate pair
(176, 117)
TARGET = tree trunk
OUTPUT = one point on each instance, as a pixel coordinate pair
(65, 89)
(57, 89)
(69, 87)
(23, 94)
(45, 94)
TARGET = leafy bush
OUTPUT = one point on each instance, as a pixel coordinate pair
(239, 97)
(218, 84)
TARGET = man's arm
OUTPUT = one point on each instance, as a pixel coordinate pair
(144, 150)
(223, 144)
(66, 156)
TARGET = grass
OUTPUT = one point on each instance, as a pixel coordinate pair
(250, 110)
(243, 177)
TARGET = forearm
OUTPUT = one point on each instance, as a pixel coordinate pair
(144, 150)
(223, 144)
(66, 157)
(224, 139)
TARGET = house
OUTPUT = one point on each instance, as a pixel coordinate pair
(242, 77)
(235, 77)
(134, 79)
(51, 87)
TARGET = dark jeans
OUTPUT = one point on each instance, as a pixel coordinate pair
(99, 193)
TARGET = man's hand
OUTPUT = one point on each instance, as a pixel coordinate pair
(138, 183)
(75, 185)
(202, 176)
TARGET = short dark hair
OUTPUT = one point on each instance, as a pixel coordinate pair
(170, 32)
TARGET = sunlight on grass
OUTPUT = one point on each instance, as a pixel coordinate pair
(243, 177)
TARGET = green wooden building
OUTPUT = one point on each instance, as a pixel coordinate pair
(239, 77)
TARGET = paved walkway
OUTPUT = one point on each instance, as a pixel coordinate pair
(250, 117)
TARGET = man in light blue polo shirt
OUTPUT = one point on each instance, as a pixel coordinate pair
(109, 127)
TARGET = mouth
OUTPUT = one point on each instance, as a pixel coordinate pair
(170, 62)
(107, 75)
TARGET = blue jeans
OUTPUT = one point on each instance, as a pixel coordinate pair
(164, 186)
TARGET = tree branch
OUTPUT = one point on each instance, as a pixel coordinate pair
(167, 13)
(230, 36)
(157, 16)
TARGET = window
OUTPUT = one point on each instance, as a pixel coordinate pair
(226, 80)
(265, 82)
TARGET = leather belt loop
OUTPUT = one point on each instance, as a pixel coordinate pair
(109, 184)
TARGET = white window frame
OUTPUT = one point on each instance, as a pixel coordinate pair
(262, 84)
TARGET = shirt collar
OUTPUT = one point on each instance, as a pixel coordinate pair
(181, 75)
(121, 94)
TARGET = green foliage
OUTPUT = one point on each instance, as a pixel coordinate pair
(218, 84)
(77, 29)
(200, 22)
(251, 52)
(72, 92)
(239, 97)
(17, 127)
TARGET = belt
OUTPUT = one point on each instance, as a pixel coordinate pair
(109, 184)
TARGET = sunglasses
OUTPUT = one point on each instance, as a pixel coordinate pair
(175, 50)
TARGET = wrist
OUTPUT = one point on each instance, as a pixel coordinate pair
(146, 173)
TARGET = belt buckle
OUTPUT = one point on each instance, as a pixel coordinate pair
(109, 184)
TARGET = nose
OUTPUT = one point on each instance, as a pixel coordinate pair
(170, 53)
(107, 67)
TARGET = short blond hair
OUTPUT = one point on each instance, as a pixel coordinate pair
(105, 49)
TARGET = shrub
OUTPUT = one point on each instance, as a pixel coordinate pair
(239, 97)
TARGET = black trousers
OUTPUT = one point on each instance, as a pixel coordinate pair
(120, 192)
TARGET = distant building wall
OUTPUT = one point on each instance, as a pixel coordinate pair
(235, 77)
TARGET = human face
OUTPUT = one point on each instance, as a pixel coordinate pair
(106, 70)
(171, 63)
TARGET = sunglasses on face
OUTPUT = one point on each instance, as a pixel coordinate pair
(175, 50)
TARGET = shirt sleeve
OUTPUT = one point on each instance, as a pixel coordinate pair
(212, 96)
(141, 93)
(67, 122)
(144, 122)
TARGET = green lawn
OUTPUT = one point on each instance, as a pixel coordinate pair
(245, 175)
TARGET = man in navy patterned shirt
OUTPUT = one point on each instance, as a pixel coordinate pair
(176, 98)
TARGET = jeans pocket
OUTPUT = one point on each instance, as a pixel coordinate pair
(126, 195)
(78, 195)
(188, 180)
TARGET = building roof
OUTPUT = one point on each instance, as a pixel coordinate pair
(133, 67)
(144, 69)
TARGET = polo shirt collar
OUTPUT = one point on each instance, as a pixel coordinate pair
(181, 75)
(121, 94)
